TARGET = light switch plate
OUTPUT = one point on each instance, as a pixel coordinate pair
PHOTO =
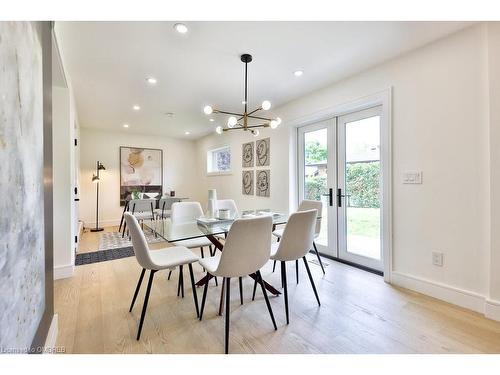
(412, 177)
(437, 258)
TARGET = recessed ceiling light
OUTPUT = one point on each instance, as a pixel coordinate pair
(151, 80)
(125, 125)
(136, 107)
(211, 120)
(187, 133)
(298, 73)
(181, 28)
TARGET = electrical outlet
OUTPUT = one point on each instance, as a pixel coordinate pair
(437, 258)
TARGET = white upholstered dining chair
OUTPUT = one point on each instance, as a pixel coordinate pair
(141, 209)
(183, 212)
(295, 243)
(246, 250)
(156, 260)
(304, 206)
(165, 207)
(226, 204)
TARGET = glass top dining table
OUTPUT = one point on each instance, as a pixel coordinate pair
(213, 230)
(171, 232)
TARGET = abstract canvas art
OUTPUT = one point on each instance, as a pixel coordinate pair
(22, 247)
(247, 155)
(263, 151)
(141, 170)
(247, 182)
(263, 183)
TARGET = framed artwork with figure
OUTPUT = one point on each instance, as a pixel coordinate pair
(263, 152)
(247, 182)
(247, 155)
(141, 170)
(263, 183)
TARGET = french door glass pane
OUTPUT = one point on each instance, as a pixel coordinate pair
(362, 187)
(316, 175)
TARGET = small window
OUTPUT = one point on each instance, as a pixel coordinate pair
(219, 160)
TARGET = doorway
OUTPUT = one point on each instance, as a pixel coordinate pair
(340, 164)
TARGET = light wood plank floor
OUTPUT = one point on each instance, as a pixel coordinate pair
(359, 314)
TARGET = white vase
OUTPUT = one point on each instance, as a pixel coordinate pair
(212, 194)
(211, 208)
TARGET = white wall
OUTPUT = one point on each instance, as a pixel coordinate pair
(179, 170)
(440, 125)
(63, 130)
(229, 186)
(493, 35)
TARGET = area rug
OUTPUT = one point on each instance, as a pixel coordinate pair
(103, 255)
(114, 240)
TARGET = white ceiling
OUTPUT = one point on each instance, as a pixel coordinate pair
(108, 63)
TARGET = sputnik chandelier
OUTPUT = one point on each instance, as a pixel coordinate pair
(240, 121)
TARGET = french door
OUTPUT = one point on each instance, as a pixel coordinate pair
(340, 164)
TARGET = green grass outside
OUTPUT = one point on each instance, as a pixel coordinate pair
(363, 222)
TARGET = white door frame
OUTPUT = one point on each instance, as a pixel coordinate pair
(383, 98)
(343, 252)
(330, 125)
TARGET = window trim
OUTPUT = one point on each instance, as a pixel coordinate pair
(210, 155)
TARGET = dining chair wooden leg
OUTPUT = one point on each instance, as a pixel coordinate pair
(269, 308)
(169, 274)
(145, 305)
(228, 297)
(311, 280)
(205, 289)
(138, 287)
(216, 282)
(319, 258)
(124, 226)
(212, 253)
(297, 270)
(254, 289)
(221, 302)
(240, 281)
(283, 281)
(193, 288)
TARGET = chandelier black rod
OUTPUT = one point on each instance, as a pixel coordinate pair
(246, 87)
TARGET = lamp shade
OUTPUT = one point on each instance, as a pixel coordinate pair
(101, 167)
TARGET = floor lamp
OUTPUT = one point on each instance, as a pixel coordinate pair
(95, 179)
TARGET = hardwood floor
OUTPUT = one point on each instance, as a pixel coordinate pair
(359, 313)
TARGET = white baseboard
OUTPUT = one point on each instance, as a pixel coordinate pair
(50, 342)
(461, 297)
(492, 309)
(63, 272)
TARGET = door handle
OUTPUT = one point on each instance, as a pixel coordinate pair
(330, 197)
(340, 196)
